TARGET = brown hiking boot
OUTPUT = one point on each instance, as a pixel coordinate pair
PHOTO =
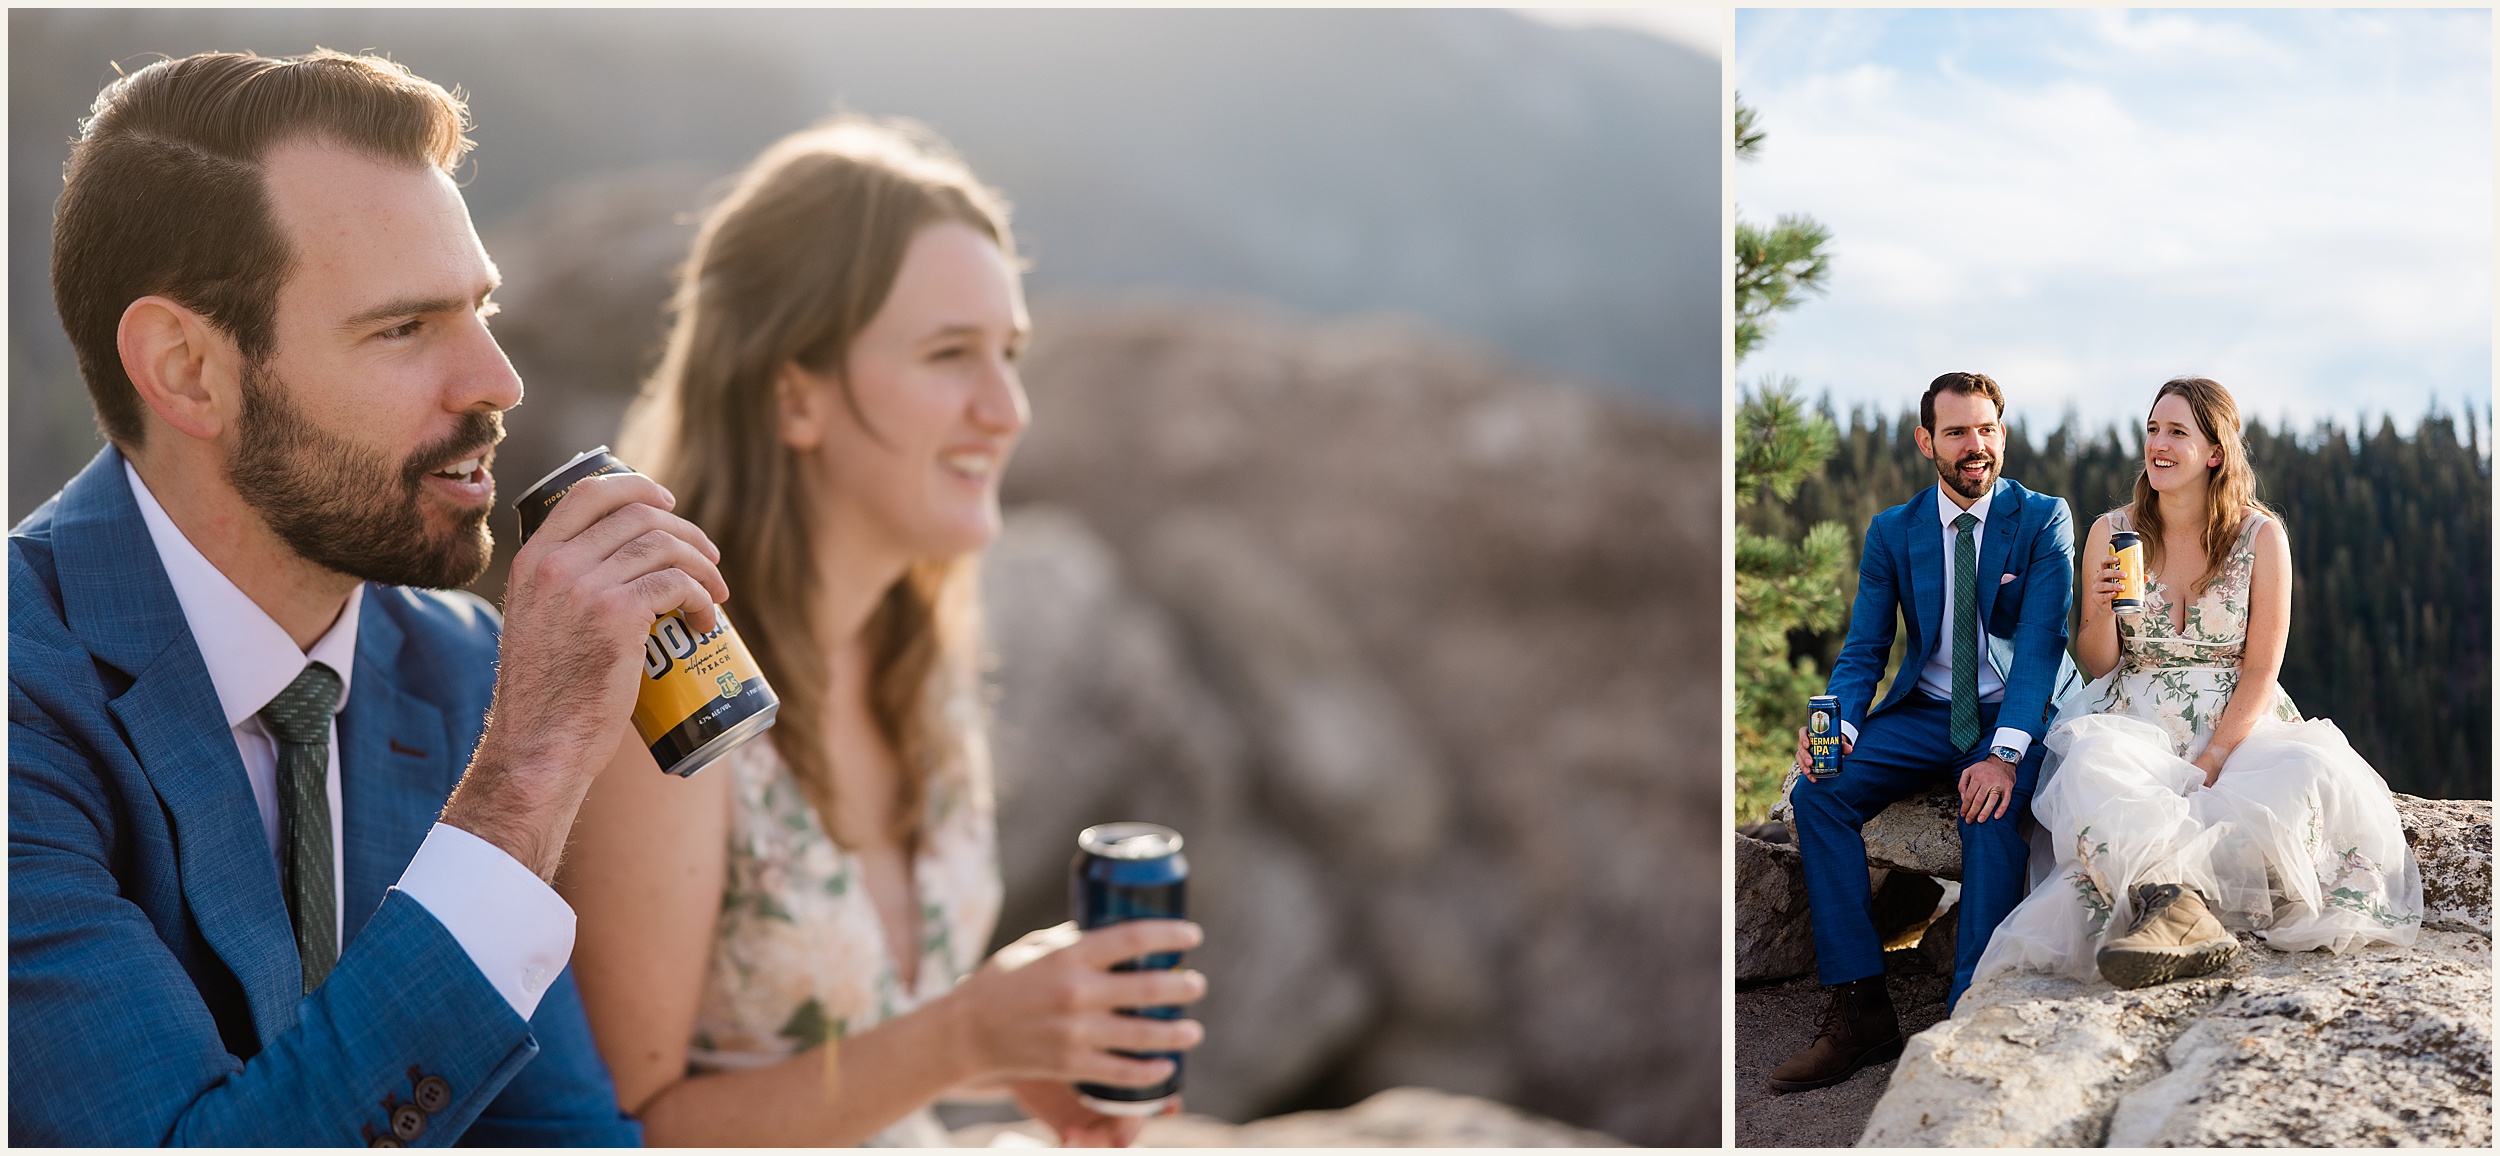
(1859, 1028)
(2172, 937)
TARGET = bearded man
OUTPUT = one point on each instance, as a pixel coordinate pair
(1981, 571)
(273, 879)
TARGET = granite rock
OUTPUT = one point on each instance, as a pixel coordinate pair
(1103, 717)
(1447, 605)
(1921, 833)
(2378, 1047)
(2451, 839)
(1774, 931)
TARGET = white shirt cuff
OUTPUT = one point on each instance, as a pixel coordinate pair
(1849, 732)
(516, 929)
(2014, 737)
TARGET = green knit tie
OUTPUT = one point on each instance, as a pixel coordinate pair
(300, 718)
(1965, 634)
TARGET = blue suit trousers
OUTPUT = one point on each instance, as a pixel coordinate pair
(1901, 752)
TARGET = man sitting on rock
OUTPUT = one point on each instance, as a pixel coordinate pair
(1982, 572)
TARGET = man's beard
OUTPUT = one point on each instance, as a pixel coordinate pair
(1950, 474)
(350, 508)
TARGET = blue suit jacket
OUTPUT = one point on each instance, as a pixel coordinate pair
(154, 990)
(2026, 584)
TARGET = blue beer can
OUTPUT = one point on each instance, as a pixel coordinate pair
(1823, 734)
(1127, 871)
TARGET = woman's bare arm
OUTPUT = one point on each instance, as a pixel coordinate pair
(645, 875)
(2096, 637)
(644, 872)
(2269, 629)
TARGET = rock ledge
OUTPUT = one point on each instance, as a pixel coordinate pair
(2375, 1048)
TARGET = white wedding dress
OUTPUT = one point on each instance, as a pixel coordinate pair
(2297, 840)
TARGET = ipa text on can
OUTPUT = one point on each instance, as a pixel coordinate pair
(1127, 871)
(2128, 547)
(1823, 734)
(701, 694)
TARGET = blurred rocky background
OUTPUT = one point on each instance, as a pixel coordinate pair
(1551, 191)
(1367, 531)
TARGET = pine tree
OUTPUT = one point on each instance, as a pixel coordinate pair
(1783, 586)
(1776, 268)
(2391, 566)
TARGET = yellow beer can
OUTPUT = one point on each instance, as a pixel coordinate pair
(2128, 547)
(702, 694)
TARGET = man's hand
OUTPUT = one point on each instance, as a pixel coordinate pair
(1987, 789)
(608, 561)
(1805, 760)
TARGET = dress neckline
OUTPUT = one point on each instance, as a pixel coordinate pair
(2157, 601)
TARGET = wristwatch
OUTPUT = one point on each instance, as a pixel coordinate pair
(2012, 757)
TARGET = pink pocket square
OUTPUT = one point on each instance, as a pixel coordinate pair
(2004, 580)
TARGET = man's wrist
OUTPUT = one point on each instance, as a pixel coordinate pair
(522, 814)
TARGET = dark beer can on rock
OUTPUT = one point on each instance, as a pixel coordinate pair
(701, 694)
(1127, 871)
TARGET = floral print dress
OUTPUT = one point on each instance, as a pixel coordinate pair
(800, 956)
(2297, 840)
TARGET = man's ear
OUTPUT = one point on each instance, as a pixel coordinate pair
(801, 399)
(185, 369)
(1926, 442)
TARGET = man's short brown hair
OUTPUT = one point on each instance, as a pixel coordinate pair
(1962, 383)
(163, 193)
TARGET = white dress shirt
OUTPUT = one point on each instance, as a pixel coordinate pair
(513, 926)
(1936, 678)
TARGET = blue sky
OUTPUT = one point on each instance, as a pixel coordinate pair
(2082, 204)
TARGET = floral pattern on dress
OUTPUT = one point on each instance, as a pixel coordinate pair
(799, 955)
(2296, 840)
(2181, 678)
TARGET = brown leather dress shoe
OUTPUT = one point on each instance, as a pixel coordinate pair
(1859, 1028)
(2173, 936)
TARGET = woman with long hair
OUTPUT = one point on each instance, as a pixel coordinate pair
(2184, 798)
(787, 947)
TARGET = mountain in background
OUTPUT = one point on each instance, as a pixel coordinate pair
(1551, 192)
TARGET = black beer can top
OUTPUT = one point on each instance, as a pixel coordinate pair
(535, 503)
(2121, 539)
(1127, 871)
(1129, 841)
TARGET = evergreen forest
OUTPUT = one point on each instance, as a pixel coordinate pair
(2391, 556)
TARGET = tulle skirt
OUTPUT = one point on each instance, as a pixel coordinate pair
(2297, 840)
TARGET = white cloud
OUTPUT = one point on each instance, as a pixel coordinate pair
(2084, 203)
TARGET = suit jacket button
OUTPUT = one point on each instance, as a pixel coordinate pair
(407, 1122)
(433, 1094)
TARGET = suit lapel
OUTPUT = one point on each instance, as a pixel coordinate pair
(1927, 575)
(117, 599)
(1996, 543)
(396, 765)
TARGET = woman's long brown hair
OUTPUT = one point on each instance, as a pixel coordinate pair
(787, 268)
(2230, 488)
